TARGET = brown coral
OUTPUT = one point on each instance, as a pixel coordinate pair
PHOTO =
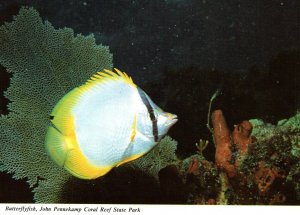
(193, 166)
(241, 136)
(264, 177)
(278, 198)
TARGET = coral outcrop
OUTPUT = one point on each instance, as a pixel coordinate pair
(258, 168)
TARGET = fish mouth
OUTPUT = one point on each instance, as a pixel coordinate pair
(173, 120)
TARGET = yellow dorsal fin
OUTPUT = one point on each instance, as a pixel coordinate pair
(108, 75)
(133, 129)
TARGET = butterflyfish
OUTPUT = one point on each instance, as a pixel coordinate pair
(106, 122)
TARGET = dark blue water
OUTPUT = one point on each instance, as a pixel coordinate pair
(148, 35)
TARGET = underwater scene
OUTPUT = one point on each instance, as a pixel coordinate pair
(150, 102)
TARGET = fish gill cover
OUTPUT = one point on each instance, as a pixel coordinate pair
(45, 64)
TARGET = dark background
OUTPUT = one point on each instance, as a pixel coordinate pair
(180, 52)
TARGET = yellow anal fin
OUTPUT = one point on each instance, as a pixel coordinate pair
(133, 129)
(79, 165)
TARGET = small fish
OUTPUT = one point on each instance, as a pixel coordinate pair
(104, 123)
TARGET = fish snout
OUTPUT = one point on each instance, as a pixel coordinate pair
(172, 119)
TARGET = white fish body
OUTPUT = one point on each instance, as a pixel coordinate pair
(104, 123)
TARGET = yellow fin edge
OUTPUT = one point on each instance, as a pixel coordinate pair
(108, 75)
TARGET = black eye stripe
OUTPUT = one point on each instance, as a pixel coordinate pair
(151, 113)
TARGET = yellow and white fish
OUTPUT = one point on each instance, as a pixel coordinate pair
(104, 123)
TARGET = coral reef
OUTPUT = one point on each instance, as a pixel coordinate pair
(247, 170)
(45, 63)
(252, 147)
(258, 168)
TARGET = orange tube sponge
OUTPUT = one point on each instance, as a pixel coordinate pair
(222, 141)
